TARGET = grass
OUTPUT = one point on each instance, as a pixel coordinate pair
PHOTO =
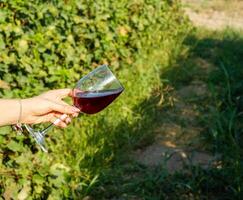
(214, 58)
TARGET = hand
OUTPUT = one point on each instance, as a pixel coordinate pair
(48, 107)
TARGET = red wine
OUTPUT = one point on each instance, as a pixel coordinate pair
(91, 102)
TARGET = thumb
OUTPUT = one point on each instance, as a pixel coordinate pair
(61, 93)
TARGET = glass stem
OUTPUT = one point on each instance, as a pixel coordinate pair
(43, 132)
(51, 125)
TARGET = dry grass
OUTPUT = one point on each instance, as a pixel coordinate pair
(233, 7)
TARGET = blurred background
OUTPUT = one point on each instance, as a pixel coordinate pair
(175, 132)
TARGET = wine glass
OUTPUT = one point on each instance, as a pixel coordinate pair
(92, 93)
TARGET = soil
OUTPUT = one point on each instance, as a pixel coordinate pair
(178, 143)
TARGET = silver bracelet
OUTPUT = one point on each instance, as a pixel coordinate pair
(18, 127)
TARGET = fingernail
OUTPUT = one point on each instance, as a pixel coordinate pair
(68, 120)
(75, 114)
(63, 117)
(74, 109)
(56, 121)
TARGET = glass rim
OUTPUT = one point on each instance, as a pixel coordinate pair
(97, 68)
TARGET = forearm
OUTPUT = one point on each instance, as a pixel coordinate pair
(46, 107)
(9, 111)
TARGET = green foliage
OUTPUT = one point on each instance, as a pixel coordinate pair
(51, 44)
(45, 44)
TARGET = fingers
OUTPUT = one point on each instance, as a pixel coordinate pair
(65, 118)
(64, 108)
(61, 120)
(58, 119)
(66, 104)
(75, 114)
(53, 100)
(68, 120)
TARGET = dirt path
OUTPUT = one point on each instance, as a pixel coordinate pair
(215, 14)
(178, 140)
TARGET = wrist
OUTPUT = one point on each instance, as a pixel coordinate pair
(26, 110)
